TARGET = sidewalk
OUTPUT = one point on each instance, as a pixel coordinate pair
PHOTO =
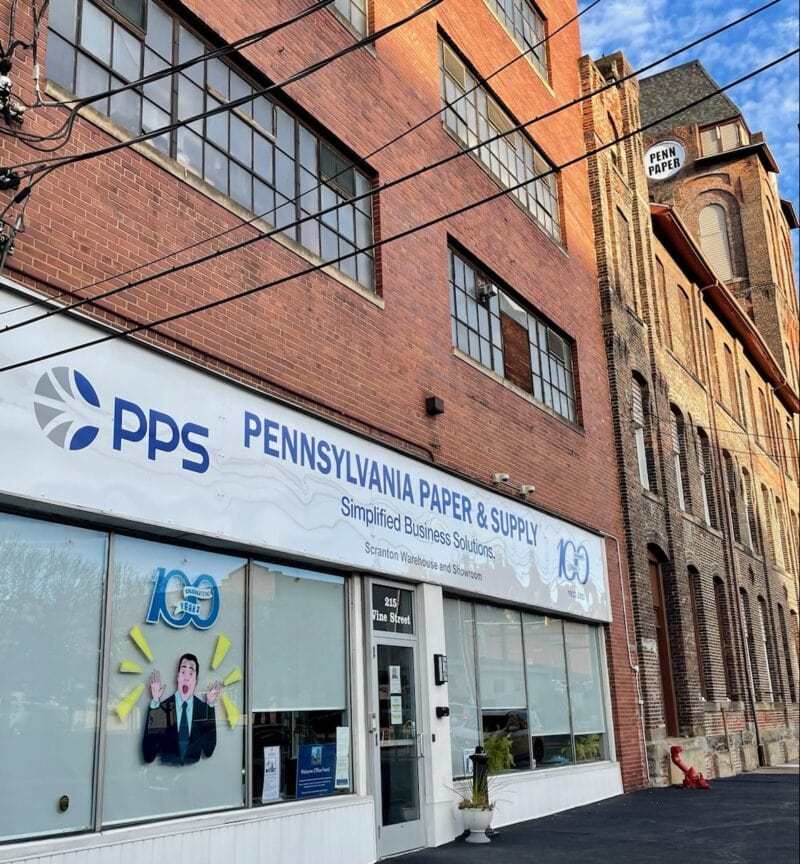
(748, 818)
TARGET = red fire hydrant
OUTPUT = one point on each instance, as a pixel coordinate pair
(691, 779)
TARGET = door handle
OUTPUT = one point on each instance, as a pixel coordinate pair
(420, 739)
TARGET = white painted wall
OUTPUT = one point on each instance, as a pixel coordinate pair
(336, 832)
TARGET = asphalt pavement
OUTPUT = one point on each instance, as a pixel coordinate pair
(752, 817)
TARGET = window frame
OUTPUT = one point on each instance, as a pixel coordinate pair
(479, 306)
(523, 616)
(474, 113)
(537, 52)
(117, 578)
(269, 171)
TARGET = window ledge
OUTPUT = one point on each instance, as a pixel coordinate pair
(174, 168)
(653, 496)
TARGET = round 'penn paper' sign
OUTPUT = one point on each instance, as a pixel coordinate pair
(664, 160)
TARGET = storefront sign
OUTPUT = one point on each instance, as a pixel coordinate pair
(664, 160)
(392, 610)
(122, 431)
(316, 773)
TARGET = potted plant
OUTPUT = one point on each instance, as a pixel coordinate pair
(475, 805)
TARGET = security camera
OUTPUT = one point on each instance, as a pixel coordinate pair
(499, 477)
(485, 291)
(527, 489)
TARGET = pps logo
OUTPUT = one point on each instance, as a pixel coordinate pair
(64, 404)
(188, 608)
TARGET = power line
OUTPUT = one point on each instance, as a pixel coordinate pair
(45, 166)
(398, 236)
(77, 104)
(389, 184)
(261, 236)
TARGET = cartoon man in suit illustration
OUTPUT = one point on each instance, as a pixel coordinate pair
(181, 728)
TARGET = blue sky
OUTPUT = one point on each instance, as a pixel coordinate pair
(769, 102)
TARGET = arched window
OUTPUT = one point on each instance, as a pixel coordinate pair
(700, 630)
(767, 654)
(679, 459)
(617, 153)
(771, 537)
(747, 625)
(706, 481)
(788, 658)
(640, 416)
(751, 523)
(723, 628)
(731, 484)
(714, 240)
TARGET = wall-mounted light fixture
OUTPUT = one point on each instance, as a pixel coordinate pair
(434, 405)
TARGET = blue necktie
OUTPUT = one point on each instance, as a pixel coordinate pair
(183, 733)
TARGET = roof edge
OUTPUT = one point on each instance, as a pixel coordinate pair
(668, 224)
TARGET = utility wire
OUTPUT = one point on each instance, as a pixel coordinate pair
(237, 45)
(383, 187)
(205, 241)
(137, 328)
(58, 162)
(53, 162)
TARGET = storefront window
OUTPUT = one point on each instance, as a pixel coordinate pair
(586, 691)
(546, 672)
(301, 735)
(465, 736)
(51, 593)
(501, 677)
(537, 680)
(176, 638)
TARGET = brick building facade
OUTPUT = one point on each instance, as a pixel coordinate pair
(703, 371)
(330, 478)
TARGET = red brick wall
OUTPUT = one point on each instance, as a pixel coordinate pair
(323, 345)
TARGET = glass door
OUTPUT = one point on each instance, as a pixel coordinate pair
(397, 736)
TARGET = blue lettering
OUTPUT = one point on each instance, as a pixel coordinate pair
(252, 427)
(122, 407)
(195, 447)
(324, 457)
(307, 458)
(271, 438)
(289, 444)
(165, 445)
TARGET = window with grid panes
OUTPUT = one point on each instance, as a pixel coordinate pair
(258, 154)
(511, 340)
(355, 11)
(471, 116)
(526, 27)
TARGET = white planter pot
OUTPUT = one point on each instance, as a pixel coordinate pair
(477, 821)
